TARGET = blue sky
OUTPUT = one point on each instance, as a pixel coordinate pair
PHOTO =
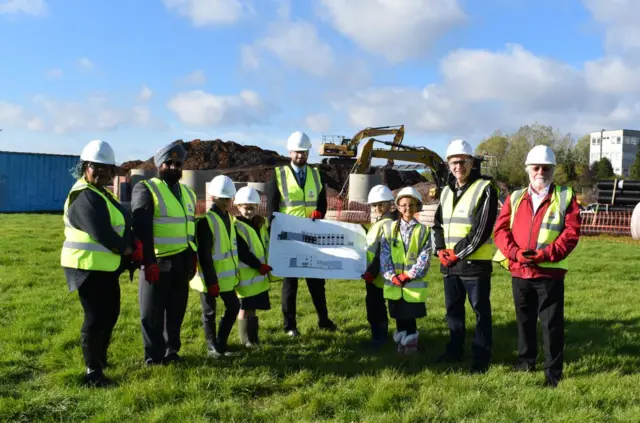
(140, 74)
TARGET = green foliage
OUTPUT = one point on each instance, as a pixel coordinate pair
(634, 170)
(319, 377)
(602, 169)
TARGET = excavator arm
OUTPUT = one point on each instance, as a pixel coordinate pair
(349, 146)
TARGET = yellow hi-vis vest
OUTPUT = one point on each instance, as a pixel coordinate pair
(251, 281)
(79, 250)
(457, 221)
(174, 226)
(224, 254)
(294, 200)
(414, 291)
(374, 234)
(552, 223)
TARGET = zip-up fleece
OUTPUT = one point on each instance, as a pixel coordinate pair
(524, 234)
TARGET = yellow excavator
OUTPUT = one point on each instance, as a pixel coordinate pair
(345, 150)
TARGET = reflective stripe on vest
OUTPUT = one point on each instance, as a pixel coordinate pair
(294, 200)
(173, 220)
(373, 242)
(224, 253)
(251, 281)
(551, 226)
(414, 291)
(79, 250)
(457, 221)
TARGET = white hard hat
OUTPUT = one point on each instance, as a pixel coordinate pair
(456, 147)
(541, 154)
(221, 187)
(378, 194)
(298, 141)
(247, 195)
(409, 192)
(98, 151)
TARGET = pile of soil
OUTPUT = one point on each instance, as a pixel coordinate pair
(253, 164)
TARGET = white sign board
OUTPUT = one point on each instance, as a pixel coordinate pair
(325, 249)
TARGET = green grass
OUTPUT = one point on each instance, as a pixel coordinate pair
(320, 376)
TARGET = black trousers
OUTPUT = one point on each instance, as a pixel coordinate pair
(162, 307)
(408, 325)
(544, 299)
(376, 305)
(289, 296)
(478, 289)
(231, 309)
(100, 299)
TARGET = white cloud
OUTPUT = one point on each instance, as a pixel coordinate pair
(283, 9)
(199, 108)
(619, 18)
(249, 57)
(394, 29)
(85, 63)
(14, 116)
(145, 93)
(29, 7)
(54, 73)
(208, 12)
(319, 122)
(296, 44)
(613, 75)
(196, 77)
(483, 90)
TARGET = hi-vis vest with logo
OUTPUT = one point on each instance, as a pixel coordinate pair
(251, 281)
(294, 200)
(457, 222)
(224, 253)
(174, 226)
(374, 234)
(414, 291)
(550, 228)
(79, 250)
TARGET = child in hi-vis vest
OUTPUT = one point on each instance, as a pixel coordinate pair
(379, 199)
(405, 250)
(253, 289)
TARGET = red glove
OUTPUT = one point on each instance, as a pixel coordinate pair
(214, 290)
(396, 281)
(450, 257)
(316, 215)
(538, 257)
(444, 257)
(404, 278)
(368, 277)
(264, 269)
(152, 273)
(137, 255)
(521, 258)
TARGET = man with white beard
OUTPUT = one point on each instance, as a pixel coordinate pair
(538, 227)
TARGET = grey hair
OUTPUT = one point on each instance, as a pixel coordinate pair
(77, 171)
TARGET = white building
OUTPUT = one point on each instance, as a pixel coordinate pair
(619, 146)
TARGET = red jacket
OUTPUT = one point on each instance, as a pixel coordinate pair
(524, 234)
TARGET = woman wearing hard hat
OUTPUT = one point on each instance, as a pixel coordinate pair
(253, 289)
(379, 199)
(220, 252)
(99, 245)
(404, 261)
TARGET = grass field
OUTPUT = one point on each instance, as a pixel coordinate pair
(319, 376)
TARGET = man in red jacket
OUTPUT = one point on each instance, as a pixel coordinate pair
(538, 227)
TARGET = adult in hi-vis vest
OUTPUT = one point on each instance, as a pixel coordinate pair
(98, 246)
(538, 227)
(220, 254)
(462, 230)
(297, 189)
(164, 220)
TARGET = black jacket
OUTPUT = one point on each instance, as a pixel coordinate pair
(205, 244)
(481, 230)
(273, 194)
(89, 213)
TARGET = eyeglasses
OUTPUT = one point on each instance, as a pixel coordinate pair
(545, 168)
(455, 163)
(175, 163)
(101, 167)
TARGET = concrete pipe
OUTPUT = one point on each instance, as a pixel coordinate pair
(261, 187)
(138, 175)
(635, 222)
(197, 180)
(360, 185)
(239, 185)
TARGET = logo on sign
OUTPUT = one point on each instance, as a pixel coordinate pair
(311, 194)
(190, 208)
(552, 215)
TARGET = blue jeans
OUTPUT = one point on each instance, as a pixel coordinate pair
(456, 289)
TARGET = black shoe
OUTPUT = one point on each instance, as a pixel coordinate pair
(522, 366)
(152, 362)
(294, 333)
(97, 379)
(478, 368)
(172, 358)
(328, 325)
(551, 380)
(449, 358)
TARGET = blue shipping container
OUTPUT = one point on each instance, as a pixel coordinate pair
(33, 182)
